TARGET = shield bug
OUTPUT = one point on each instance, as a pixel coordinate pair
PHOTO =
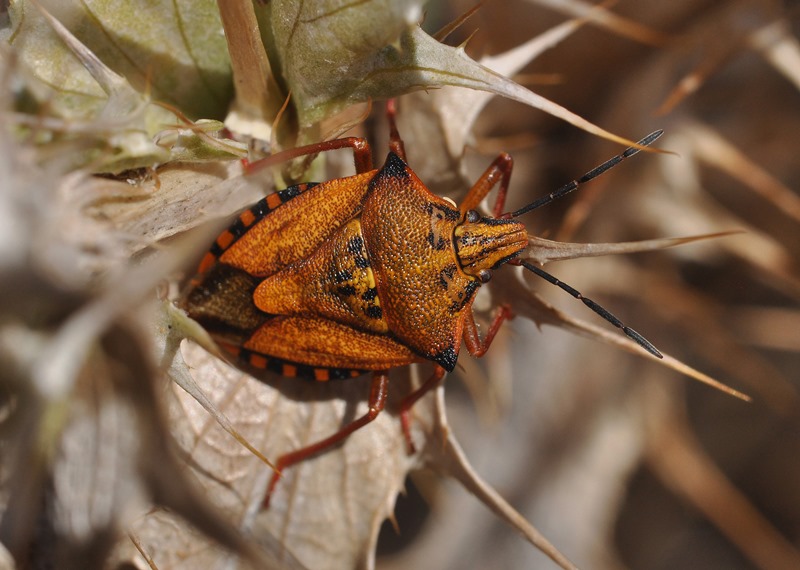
(365, 273)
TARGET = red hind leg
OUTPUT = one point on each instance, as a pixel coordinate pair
(377, 401)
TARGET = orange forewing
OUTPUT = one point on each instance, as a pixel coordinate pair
(326, 343)
(288, 234)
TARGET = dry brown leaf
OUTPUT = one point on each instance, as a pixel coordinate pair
(182, 197)
(354, 484)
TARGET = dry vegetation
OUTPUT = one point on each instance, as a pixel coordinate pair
(126, 445)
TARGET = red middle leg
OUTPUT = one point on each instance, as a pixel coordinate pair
(412, 398)
(379, 390)
(395, 142)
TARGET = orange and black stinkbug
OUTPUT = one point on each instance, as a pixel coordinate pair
(366, 273)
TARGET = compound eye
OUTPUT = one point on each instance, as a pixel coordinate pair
(473, 216)
(484, 275)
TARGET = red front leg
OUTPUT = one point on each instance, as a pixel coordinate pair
(477, 347)
(498, 171)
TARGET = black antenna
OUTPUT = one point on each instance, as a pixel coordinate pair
(632, 334)
(594, 173)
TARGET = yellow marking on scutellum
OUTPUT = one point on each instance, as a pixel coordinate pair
(372, 285)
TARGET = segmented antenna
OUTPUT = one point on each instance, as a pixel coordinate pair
(632, 334)
(563, 191)
(594, 173)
